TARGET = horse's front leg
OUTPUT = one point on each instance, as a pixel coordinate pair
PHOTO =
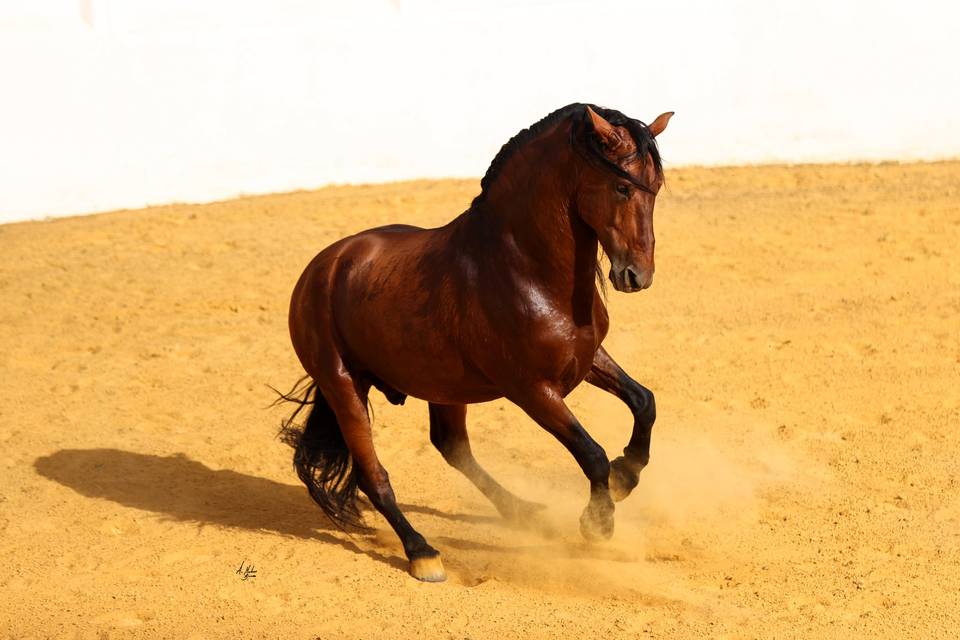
(625, 470)
(546, 406)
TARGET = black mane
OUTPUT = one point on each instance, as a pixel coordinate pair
(587, 145)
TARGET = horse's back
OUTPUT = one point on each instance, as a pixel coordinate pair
(348, 251)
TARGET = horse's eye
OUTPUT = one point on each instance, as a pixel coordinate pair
(623, 189)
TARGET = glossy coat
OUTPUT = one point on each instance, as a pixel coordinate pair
(500, 302)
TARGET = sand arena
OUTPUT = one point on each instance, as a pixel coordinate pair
(802, 337)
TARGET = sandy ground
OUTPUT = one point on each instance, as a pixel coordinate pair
(802, 336)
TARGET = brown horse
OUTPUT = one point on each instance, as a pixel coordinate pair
(500, 302)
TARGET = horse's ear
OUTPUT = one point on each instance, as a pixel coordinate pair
(605, 131)
(657, 126)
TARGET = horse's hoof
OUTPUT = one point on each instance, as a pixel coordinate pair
(623, 479)
(596, 523)
(428, 569)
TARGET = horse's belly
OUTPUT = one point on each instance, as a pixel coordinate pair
(450, 390)
(408, 364)
(392, 337)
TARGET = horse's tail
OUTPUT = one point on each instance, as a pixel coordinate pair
(321, 456)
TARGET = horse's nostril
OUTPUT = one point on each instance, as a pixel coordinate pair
(632, 279)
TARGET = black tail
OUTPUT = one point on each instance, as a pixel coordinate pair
(321, 457)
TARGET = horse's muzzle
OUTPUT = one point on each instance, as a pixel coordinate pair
(630, 279)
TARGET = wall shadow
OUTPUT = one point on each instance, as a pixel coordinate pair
(185, 490)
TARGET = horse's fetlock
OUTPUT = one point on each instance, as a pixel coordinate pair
(418, 547)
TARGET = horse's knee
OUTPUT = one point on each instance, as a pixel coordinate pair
(644, 409)
(643, 404)
(595, 464)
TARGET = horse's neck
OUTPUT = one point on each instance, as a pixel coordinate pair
(532, 207)
(559, 246)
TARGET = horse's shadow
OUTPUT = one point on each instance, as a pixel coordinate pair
(186, 490)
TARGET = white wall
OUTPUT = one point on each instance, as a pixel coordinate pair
(123, 103)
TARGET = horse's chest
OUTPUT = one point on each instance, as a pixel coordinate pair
(565, 348)
(562, 352)
(575, 360)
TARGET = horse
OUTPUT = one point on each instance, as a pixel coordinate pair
(502, 302)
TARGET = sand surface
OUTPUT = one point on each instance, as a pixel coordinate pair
(802, 337)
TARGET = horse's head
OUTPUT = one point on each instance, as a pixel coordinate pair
(617, 190)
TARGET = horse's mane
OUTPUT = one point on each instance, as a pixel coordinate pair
(587, 145)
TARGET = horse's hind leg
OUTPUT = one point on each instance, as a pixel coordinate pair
(448, 433)
(347, 398)
(625, 470)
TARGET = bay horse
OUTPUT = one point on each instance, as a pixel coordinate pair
(502, 302)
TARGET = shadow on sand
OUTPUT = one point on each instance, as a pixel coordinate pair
(186, 490)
